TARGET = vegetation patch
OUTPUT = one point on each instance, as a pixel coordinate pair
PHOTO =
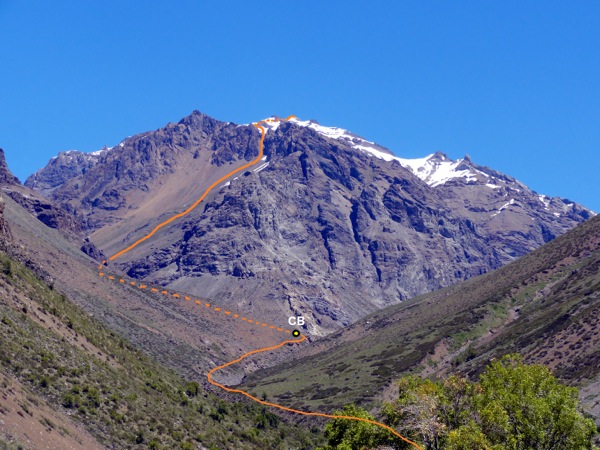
(123, 397)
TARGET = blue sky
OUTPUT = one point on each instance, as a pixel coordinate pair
(514, 84)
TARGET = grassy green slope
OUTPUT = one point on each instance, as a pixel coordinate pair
(544, 305)
(123, 397)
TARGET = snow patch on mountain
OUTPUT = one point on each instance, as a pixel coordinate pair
(435, 169)
(68, 155)
(102, 150)
(271, 123)
(503, 207)
(261, 167)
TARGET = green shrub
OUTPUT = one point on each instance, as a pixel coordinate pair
(7, 268)
(45, 381)
(192, 388)
(514, 406)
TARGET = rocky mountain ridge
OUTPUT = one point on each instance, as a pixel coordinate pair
(45, 210)
(330, 225)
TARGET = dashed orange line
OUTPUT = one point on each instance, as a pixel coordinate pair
(198, 302)
(296, 411)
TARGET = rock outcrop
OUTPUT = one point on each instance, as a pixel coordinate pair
(43, 210)
(5, 234)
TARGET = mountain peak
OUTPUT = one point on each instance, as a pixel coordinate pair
(435, 169)
(440, 155)
(199, 120)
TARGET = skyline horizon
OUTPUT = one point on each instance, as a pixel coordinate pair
(472, 156)
(515, 85)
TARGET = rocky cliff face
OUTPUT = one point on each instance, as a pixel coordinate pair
(43, 210)
(5, 234)
(100, 187)
(514, 218)
(6, 177)
(330, 226)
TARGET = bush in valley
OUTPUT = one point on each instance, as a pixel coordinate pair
(345, 434)
(7, 267)
(266, 419)
(513, 406)
(192, 389)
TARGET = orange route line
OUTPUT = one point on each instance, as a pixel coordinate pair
(187, 211)
(210, 188)
(285, 408)
(245, 355)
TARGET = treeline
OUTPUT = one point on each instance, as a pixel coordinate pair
(512, 406)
